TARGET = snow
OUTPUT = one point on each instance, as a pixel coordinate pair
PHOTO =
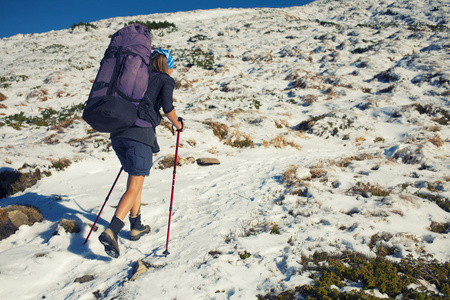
(224, 210)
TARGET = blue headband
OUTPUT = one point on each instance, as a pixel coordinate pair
(168, 55)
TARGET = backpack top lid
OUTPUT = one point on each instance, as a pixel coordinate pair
(135, 38)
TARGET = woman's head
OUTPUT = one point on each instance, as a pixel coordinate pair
(162, 61)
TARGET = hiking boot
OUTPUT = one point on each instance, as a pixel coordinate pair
(137, 229)
(109, 237)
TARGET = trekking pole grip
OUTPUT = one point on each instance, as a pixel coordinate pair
(180, 119)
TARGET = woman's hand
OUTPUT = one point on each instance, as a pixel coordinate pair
(180, 126)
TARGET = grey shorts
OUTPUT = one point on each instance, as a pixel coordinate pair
(136, 158)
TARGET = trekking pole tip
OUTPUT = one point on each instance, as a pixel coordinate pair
(166, 253)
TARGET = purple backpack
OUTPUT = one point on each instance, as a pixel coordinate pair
(121, 81)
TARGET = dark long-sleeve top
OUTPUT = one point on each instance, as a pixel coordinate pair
(159, 95)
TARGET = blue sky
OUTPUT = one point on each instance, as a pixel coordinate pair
(37, 16)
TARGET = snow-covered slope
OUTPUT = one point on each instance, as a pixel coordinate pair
(335, 96)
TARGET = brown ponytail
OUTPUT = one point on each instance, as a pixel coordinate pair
(159, 63)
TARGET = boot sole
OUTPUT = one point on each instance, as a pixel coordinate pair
(110, 245)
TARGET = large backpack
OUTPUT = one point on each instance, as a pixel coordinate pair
(121, 81)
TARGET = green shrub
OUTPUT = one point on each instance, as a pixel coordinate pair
(439, 227)
(381, 249)
(196, 57)
(440, 201)
(49, 117)
(86, 26)
(388, 277)
(153, 25)
(5, 82)
(244, 255)
(441, 115)
(198, 37)
(275, 229)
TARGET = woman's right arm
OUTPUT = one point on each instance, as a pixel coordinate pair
(172, 116)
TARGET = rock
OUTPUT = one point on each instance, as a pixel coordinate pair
(84, 278)
(6, 227)
(139, 268)
(18, 218)
(208, 161)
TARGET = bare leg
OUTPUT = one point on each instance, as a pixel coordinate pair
(131, 199)
(137, 205)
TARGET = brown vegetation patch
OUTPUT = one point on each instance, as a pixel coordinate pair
(290, 175)
(345, 162)
(70, 226)
(30, 214)
(51, 139)
(318, 173)
(6, 227)
(3, 97)
(60, 164)
(366, 190)
(169, 161)
(280, 142)
(239, 140)
(436, 140)
(13, 181)
(408, 156)
(41, 95)
(220, 130)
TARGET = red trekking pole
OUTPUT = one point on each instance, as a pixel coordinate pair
(173, 186)
(104, 203)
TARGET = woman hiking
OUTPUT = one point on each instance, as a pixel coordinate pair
(135, 147)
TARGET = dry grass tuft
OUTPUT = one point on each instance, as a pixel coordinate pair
(70, 226)
(345, 162)
(436, 140)
(51, 139)
(318, 173)
(280, 142)
(60, 164)
(408, 156)
(191, 142)
(169, 161)
(239, 140)
(236, 139)
(281, 124)
(41, 95)
(366, 190)
(3, 97)
(359, 140)
(166, 124)
(220, 130)
(290, 175)
(378, 140)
